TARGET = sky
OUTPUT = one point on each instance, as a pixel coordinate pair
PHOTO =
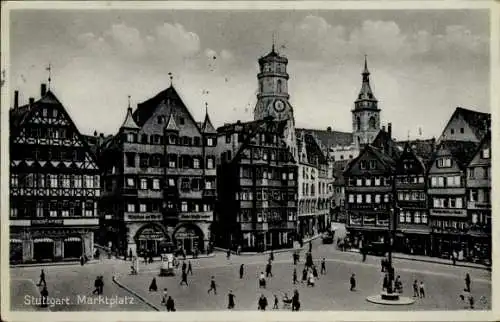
(423, 64)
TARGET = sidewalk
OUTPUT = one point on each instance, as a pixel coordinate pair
(434, 260)
(68, 263)
(275, 251)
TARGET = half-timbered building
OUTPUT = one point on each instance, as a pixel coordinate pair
(54, 183)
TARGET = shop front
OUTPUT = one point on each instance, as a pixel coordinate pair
(73, 247)
(43, 249)
(149, 238)
(189, 238)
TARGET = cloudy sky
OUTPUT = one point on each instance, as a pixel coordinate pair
(423, 63)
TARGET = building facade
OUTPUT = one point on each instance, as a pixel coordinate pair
(54, 184)
(257, 187)
(478, 185)
(159, 178)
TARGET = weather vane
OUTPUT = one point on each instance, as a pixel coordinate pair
(171, 78)
(49, 69)
(129, 101)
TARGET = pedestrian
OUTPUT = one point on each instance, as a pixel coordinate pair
(82, 260)
(295, 276)
(295, 301)
(150, 256)
(415, 289)
(467, 282)
(382, 264)
(262, 302)
(145, 255)
(213, 286)
(153, 287)
(44, 294)
(304, 275)
(101, 285)
(96, 286)
(184, 267)
(363, 252)
(42, 279)
(184, 279)
(323, 266)
(97, 254)
(276, 301)
(421, 289)
(190, 268)
(262, 280)
(315, 271)
(271, 256)
(230, 300)
(398, 285)
(130, 254)
(385, 282)
(453, 258)
(170, 304)
(471, 302)
(238, 250)
(310, 280)
(164, 296)
(353, 282)
(228, 254)
(242, 270)
(269, 270)
(310, 246)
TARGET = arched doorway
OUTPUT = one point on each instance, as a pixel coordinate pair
(72, 247)
(189, 237)
(149, 238)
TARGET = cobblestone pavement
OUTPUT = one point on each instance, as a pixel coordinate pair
(444, 283)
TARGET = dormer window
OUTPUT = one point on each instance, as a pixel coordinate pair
(444, 163)
(160, 119)
(362, 164)
(372, 164)
(485, 153)
(130, 138)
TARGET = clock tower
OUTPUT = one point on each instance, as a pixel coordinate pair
(273, 97)
(366, 114)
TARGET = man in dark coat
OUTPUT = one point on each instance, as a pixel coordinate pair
(170, 304)
(241, 271)
(295, 301)
(44, 294)
(269, 270)
(184, 279)
(323, 266)
(42, 279)
(230, 300)
(467, 282)
(190, 268)
(353, 282)
(153, 287)
(295, 276)
(262, 302)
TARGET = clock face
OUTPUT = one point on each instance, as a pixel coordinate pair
(279, 106)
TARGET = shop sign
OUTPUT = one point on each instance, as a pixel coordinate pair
(46, 222)
(196, 216)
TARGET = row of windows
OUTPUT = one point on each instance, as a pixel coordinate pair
(246, 195)
(367, 182)
(267, 215)
(266, 154)
(447, 202)
(480, 195)
(368, 198)
(41, 180)
(367, 164)
(50, 132)
(49, 154)
(413, 217)
(449, 224)
(479, 172)
(448, 181)
(185, 206)
(54, 208)
(267, 173)
(411, 195)
(174, 161)
(171, 139)
(186, 184)
(410, 179)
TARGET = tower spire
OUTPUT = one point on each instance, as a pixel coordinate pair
(366, 71)
(206, 108)
(274, 42)
(129, 101)
(49, 69)
(171, 76)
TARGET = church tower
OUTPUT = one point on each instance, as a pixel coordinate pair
(366, 114)
(273, 97)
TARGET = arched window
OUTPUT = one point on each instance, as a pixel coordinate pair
(358, 124)
(280, 89)
(372, 122)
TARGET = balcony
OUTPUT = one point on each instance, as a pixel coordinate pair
(209, 193)
(144, 170)
(143, 148)
(184, 172)
(446, 191)
(143, 216)
(190, 194)
(150, 194)
(479, 183)
(448, 212)
(479, 205)
(282, 225)
(196, 216)
(210, 172)
(246, 182)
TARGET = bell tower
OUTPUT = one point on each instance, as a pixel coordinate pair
(366, 114)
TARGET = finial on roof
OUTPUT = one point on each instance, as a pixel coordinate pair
(129, 101)
(171, 76)
(49, 69)
(365, 71)
(274, 41)
(206, 108)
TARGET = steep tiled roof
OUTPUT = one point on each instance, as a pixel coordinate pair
(478, 121)
(207, 126)
(462, 151)
(313, 149)
(423, 149)
(386, 144)
(330, 138)
(339, 177)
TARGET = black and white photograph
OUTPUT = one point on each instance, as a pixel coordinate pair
(234, 158)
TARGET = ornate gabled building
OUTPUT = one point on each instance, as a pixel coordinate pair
(478, 185)
(54, 184)
(466, 125)
(257, 187)
(159, 178)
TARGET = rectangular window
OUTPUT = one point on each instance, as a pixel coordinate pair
(210, 142)
(400, 195)
(156, 184)
(359, 198)
(208, 184)
(144, 184)
(421, 179)
(368, 198)
(377, 198)
(416, 217)
(290, 175)
(210, 163)
(362, 164)
(402, 217)
(130, 159)
(196, 163)
(77, 181)
(13, 212)
(372, 164)
(130, 183)
(377, 181)
(53, 180)
(368, 182)
(14, 180)
(408, 217)
(386, 197)
(184, 206)
(142, 207)
(172, 161)
(359, 182)
(53, 209)
(351, 198)
(485, 153)
(470, 173)
(474, 195)
(185, 184)
(228, 138)
(130, 207)
(424, 218)
(458, 203)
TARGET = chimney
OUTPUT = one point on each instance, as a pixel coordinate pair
(389, 129)
(101, 135)
(43, 89)
(32, 100)
(383, 128)
(16, 99)
(329, 129)
(95, 133)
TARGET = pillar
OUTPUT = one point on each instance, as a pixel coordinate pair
(27, 250)
(58, 248)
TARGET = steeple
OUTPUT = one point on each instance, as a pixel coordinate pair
(129, 122)
(366, 99)
(207, 127)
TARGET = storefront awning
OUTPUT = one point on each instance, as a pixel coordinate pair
(16, 241)
(43, 240)
(415, 231)
(73, 239)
